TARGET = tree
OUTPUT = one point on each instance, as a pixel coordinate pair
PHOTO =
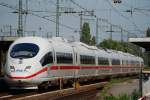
(85, 36)
(93, 41)
(148, 32)
(105, 44)
(121, 46)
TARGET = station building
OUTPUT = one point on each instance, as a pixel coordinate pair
(5, 42)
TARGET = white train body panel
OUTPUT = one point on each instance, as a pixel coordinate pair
(34, 60)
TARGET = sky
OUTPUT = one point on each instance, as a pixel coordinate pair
(135, 23)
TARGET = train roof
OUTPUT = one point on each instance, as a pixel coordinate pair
(102, 52)
(58, 39)
(84, 45)
(61, 43)
(37, 40)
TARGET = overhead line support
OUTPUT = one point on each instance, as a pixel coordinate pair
(57, 19)
(20, 19)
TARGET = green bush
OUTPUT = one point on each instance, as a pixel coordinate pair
(134, 96)
(120, 97)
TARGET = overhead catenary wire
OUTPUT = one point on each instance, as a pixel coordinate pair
(137, 9)
(105, 20)
(102, 19)
(30, 12)
(131, 21)
(85, 9)
(133, 9)
(52, 2)
(78, 5)
(63, 25)
(145, 14)
(142, 11)
(54, 15)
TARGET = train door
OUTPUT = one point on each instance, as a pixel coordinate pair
(96, 62)
(54, 60)
(75, 61)
(53, 73)
(75, 57)
(110, 63)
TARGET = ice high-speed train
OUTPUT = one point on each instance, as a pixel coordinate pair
(33, 61)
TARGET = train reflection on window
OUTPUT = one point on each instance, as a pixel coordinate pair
(47, 59)
(84, 59)
(103, 61)
(64, 58)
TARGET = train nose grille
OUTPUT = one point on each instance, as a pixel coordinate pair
(19, 70)
(24, 69)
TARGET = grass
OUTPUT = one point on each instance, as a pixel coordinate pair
(120, 80)
(146, 69)
(134, 96)
(105, 96)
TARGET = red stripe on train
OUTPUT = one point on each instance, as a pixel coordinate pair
(30, 76)
(59, 68)
(96, 67)
(78, 67)
(64, 67)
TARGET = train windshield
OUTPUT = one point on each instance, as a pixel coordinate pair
(24, 50)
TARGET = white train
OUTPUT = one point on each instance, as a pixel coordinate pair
(33, 61)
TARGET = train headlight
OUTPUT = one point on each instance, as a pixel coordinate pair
(27, 68)
(12, 68)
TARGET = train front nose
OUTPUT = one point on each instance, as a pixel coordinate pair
(19, 75)
(16, 73)
(22, 63)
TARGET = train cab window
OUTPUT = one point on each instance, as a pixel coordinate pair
(115, 62)
(64, 58)
(85, 59)
(47, 59)
(103, 61)
(24, 50)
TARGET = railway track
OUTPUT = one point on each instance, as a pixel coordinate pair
(87, 90)
(8, 94)
(52, 94)
(86, 95)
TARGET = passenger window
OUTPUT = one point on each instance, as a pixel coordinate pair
(85, 59)
(47, 59)
(103, 61)
(115, 62)
(64, 58)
